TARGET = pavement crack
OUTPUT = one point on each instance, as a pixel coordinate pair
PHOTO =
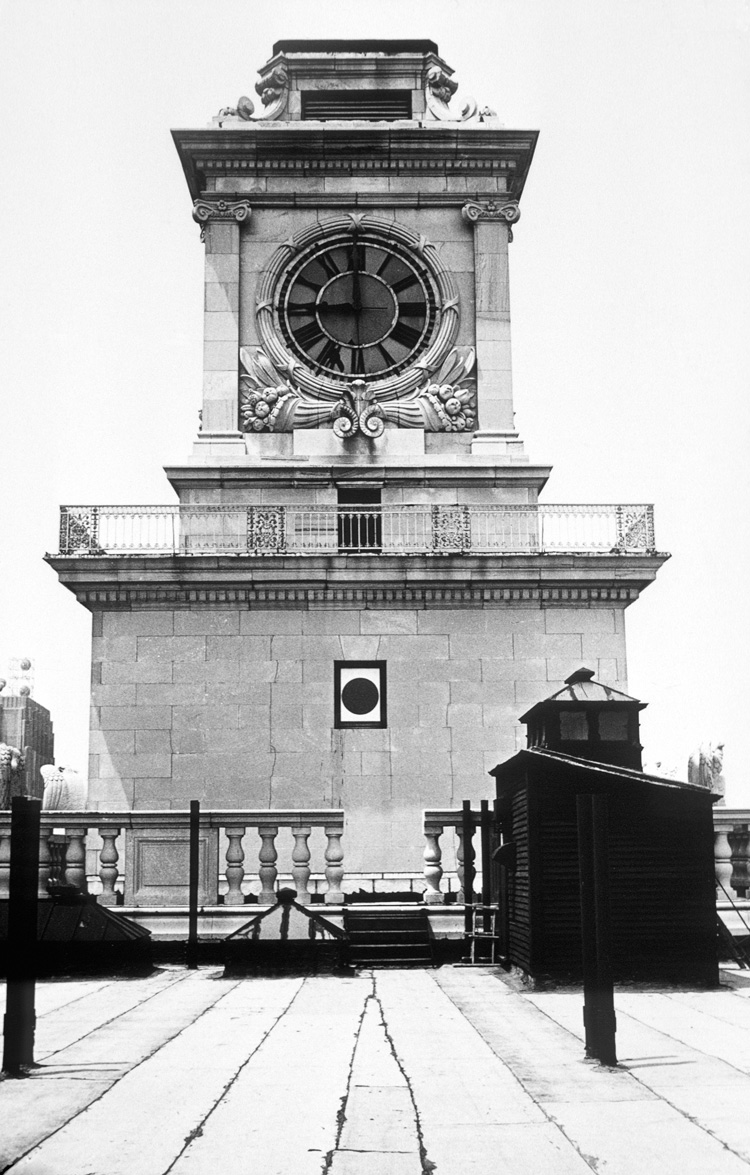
(197, 1131)
(427, 1165)
(341, 1114)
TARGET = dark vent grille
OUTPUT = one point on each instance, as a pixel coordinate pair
(372, 104)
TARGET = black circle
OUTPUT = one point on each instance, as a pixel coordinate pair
(360, 695)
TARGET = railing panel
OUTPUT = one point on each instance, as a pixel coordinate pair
(313, 530)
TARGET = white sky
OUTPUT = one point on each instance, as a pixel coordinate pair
(630, 292)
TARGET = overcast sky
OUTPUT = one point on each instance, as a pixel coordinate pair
(630, 292)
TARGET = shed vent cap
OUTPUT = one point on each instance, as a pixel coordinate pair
(580, 675)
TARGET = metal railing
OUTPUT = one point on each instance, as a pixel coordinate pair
(356, 530)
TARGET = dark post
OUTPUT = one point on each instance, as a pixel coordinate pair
(486, 865)
(192, 942)
(468, 838)
(20, 1018)
(606, 1011)
(598, 988)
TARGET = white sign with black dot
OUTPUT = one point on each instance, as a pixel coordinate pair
(359, 694)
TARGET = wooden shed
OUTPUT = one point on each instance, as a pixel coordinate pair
(661, 858)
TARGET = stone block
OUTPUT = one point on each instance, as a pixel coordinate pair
(219, 356)
(220, 326)
(244, 693)
(318, 715)
(222, 297)
(527, 645)
(203, 622)
(222, 267)
(188, 742)
(289, 671)
(114, 648)
(388, 623)
(365, 740)
(209, 673)
(433, 693)
(496, 644)
(318, 671)
(205, 717)
(602, 644)
(360, 648)
(407, 648)
(475, 738)
(465, 714)
(457, 256)
(497, 620)
(494, 669)
(452, 621)
(135, 766)
(285, 715)
(246, 741)
(135, 718)
(408, 183)
(558, 668)
(256, 717)
(153, 742)
(608, 671)
(531, 691)
(318, 648)
(433, 716)
(402, 714)
(113, 695)
(321, 622)
(289, 693)
(500, 718)
(453, 670)
(251, 671)
(463, 692)
(115, 624)
(579, 619)
(302, 741)
(219, 387)
(241, 183)
(112, 742)
(222, 237)
(245, 648)
(376, 763)
(172, 648)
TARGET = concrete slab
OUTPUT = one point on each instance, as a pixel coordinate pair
(379, 1118)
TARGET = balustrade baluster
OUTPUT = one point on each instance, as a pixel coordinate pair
(108, 858)
(460, 897)
(267, 857)
(738, 841)
(45, 861)
(75, 871)
(301, 862)
(4, 861)
(433, 869)
(234, 866)
(722, 863)
(334, 865)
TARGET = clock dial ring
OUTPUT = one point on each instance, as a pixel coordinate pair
(382, 316)
(316, 383)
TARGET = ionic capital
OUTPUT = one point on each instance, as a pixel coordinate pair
(205, 210)
(491, 210)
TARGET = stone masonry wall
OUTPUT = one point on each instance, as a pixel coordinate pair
(235, 708)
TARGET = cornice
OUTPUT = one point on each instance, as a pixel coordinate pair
(310, 149)
(460, 581)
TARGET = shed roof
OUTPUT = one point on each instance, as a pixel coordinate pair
(581, 688)
(507, 771)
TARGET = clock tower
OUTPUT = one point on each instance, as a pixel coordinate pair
(360, 591)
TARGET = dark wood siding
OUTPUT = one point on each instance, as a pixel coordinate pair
(519, 920)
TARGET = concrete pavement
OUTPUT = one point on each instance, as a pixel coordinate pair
(389, 1073)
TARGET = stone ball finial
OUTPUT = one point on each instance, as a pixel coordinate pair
(25, 691)
(24, 664)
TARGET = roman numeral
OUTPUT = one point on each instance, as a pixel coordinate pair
(405, 283)
(328, 265)
(384, 266)
(330, 356)
(358, 361)
(386, 356)
(309, 285)
(412, 309)
(308, 335)
(406, 335)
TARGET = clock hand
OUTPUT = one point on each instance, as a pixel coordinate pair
(356, 292)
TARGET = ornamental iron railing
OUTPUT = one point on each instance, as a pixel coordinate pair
(356, 530)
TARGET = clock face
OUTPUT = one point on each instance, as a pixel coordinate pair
(357, 307)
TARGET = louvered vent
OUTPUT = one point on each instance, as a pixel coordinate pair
(363, 104)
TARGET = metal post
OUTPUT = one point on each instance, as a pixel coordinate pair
(20, 1018)
(486, 831)
(192, 942)
(469, 873)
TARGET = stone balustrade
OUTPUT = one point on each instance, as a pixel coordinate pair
(731, 852)
(436, 820)
(144, 855)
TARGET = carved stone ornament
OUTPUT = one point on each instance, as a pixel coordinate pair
(205, 210)
(439, 92)
(310, 381)
(491, 210)
(11, 774)
(273, 90)
(272, 402)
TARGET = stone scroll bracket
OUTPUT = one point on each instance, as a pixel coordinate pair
(221, 222)
(492, 221)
